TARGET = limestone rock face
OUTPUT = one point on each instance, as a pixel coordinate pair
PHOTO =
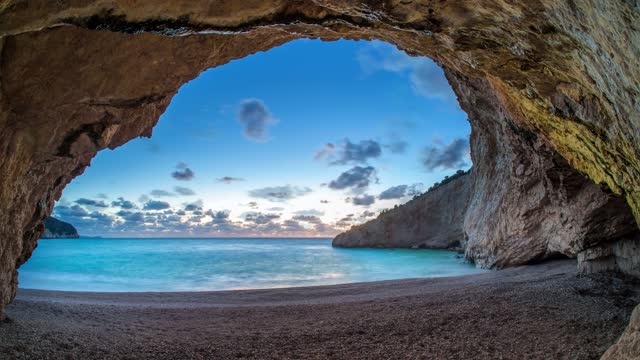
(628, 347)
(551, 88)
(527, 203)
(432, 220)
(56, 229)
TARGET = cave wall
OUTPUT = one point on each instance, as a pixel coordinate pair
(561, 78)
(527, 203)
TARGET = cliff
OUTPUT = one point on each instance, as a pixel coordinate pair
(551, 90)
(433, 220)
(55, 229)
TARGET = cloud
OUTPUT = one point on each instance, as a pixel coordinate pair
(346, 221)
(312, 219)
(396, 145)
(161, 193)
(367, 214)
(102, 196)
(143, 198)
(156, 205)
(426, 77)
(194, 206)
(310, 212)
(400, 191)
(229, 179)
(451, 156)
(91, 202)
(75, 211)
(350, 152)
(217, 216)
(183, 191)
(327, 150)
(255, 118)
(363, 200)
(324, 201)
(279, 193)
(260, 218)
(124, 204)
(355, 178)
(358, 153)
(182, 172)
(136, 217)
(252, 204)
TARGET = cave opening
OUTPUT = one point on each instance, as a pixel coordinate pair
(305, 140)
(550, 90)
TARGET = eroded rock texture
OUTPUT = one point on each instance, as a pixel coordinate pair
(551, 86)
(628, 346)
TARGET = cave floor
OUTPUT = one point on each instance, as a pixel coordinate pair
(534, 312)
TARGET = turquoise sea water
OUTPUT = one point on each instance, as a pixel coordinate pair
(221, 264)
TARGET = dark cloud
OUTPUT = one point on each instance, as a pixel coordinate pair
(217, 216)
(279, 193)
(312, 219)
(161, 193)
(452, 156)
(400, 191)
(255, 118)
(91, 202)
(124, 204)
(156, 205)
(260, 218)
(229, 179)
(194, 206)
(349, 152)
(367, 214)
(363, 200)
(102, 218)
(324, 201)
(136, 217)
(182, 172)
(355, 178)
(183, 191)
(276, 208)
(102, 196)
(359, 152)
(75, 211)
(291, 225)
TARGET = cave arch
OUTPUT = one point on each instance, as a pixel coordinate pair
(550, 87)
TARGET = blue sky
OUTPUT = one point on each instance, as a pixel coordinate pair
(301, 140)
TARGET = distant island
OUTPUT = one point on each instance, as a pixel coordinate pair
(56, 229)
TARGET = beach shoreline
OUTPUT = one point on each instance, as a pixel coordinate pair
(538, 311)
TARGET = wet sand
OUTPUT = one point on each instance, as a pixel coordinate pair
(543, 311)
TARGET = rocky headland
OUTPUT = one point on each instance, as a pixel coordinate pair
(432, 220)
(56, 229)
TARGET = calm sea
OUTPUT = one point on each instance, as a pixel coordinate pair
(221, 264)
